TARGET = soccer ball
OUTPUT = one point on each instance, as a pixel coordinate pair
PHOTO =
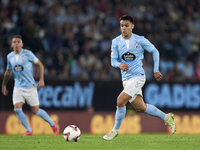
(72, 133)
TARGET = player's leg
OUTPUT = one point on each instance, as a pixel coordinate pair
(43, 114)
(32, 100)
(18, 101)
(131, 87)
(22, 117)
(140, 106)
(122, 99)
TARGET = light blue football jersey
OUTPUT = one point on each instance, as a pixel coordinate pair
(22, 68)
(131, 52)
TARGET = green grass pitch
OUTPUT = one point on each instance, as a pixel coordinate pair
(96, 142)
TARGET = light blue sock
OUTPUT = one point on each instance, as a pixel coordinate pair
(119, 116)
(22, 118)
(153, 111)
(45, 116)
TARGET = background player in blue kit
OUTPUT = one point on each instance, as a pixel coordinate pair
(127, 52)
(25, 89)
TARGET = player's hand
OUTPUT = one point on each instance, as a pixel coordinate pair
(123, 67)
(158, 75)
(41, 84)
(4, 90)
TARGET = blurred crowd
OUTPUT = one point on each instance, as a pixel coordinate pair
(72, 38)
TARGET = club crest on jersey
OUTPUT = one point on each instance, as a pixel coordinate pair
(136, 44)
(128, 57)
(23, 58)
(18, 68)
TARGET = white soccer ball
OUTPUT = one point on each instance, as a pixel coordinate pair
(72, 133)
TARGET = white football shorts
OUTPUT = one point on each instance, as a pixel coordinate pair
(26, 95)
(133, 87)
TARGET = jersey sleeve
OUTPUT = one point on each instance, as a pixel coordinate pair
(9, 66)
(32, 57)
(148, 46)
(114, 54)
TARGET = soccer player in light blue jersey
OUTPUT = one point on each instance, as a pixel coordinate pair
(20, 62)
(127, 52)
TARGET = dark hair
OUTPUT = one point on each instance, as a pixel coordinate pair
(127, 17)
(17, 36)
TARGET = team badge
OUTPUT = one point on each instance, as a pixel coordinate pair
(136, 44)
(23, 58)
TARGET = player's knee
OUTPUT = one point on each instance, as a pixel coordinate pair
(123, 99)
(34, 110)
(120, 102)
(140, 109)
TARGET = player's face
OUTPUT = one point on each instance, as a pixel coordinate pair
(126, 28)
(17, 44)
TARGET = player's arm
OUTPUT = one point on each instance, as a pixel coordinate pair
(6, 78)
(115, 58)
(157, 73)
(41, 68)
(151, 48)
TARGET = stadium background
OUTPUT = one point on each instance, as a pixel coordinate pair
(72, 38)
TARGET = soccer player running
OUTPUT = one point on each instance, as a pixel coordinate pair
(127, 54)
(20, 61)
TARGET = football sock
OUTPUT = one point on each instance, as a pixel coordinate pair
(153, 111)
(45, 116)
(22, 118)
(119, 116)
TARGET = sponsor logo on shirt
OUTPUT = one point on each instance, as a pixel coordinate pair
(128, 57)
(18, 68)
